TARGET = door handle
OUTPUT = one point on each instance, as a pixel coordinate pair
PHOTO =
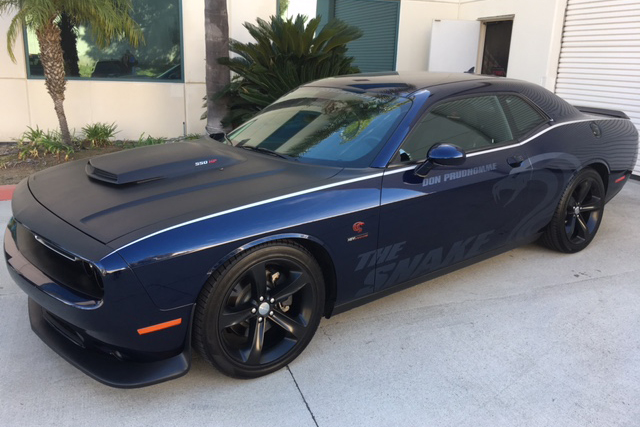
(515, 161)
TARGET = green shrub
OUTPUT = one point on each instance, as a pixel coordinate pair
(100, 134)
(192, 136)
(286, 54)
(149, 140)
(34, 143)
(31, 134)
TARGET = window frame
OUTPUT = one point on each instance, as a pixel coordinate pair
(25, 41)
(395, 159)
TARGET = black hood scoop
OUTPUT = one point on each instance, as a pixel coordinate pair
(159, 162)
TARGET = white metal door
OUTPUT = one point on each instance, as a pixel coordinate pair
(600, 56)
(454, 45)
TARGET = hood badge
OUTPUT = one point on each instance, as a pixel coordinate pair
(206, 162)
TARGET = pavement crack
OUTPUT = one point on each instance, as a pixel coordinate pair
(303, 398)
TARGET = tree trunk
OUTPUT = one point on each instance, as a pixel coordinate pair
(53, 64)
(217, 45)
(69, 39)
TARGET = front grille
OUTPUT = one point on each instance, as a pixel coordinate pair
(63, 268)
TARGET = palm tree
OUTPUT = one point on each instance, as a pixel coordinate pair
(107, 19)
(216, 45)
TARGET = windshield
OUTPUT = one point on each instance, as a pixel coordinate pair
(324, 126)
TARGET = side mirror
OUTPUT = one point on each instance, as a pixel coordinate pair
(441, 154)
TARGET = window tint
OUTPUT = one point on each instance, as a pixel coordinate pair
(470, 123)
(324, 126)
(524, 117)
(157, 59)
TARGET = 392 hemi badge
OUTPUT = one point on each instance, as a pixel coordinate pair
(357, 227)
(206, 162)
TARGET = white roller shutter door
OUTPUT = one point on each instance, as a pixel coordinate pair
(600, 56)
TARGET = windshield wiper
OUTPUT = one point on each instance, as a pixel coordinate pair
(268, 151)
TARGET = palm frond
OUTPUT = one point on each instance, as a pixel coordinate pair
(109, 19)
(30, 13)
(284, 54)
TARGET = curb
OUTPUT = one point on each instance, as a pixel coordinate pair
(6, 192)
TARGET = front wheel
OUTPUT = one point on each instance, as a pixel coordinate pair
(578, 215)
(259, 310)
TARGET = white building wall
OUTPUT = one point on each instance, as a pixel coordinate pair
(158, 109)
(241, 11)
(414, 30)
(536, 36)
(14, 103)
(302, 7)
(535, 41)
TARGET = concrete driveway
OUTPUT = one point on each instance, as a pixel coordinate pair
(529, 338)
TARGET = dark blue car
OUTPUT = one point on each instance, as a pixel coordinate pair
(343, 191)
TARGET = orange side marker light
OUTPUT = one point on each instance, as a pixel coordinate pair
(620, 179)
(159, 326)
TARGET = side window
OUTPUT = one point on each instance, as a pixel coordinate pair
(524, 117)
(470, 123)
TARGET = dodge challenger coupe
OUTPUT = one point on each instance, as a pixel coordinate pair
(342, 191)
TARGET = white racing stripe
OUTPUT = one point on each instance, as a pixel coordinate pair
(348, 181)
(252, 205)
(493, 150)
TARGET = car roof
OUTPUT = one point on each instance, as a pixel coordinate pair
(402, 83)
(406, 83)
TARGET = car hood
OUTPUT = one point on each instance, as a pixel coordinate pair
(110, 196)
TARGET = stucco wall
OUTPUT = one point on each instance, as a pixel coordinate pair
(536, 37)
(535, 41)
(414, 31)
(14, 104)
(158, 109)
(241, 11)
(302, 7)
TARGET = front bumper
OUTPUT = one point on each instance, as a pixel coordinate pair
(106, 368)
(98, 335)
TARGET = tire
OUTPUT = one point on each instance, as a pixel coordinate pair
(578, 215)
(245, 336)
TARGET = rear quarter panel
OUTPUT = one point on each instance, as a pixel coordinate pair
(557, 155)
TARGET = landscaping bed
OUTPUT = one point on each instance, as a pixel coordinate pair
(14, 167)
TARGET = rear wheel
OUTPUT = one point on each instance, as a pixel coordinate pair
(259, 310)
(578, 215)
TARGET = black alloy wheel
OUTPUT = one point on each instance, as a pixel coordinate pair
(578, 215)
(260, 310)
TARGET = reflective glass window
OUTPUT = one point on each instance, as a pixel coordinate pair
(158, 58)
(470, 123)
(324, 126)
(525, 118)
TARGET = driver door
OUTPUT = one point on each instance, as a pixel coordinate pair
(456, 212)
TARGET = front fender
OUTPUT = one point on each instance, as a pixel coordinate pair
(267, 239)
